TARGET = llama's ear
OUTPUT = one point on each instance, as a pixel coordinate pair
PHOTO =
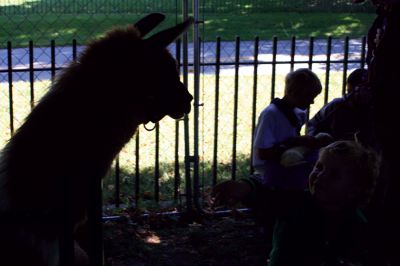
(165, 37)
(149, 22)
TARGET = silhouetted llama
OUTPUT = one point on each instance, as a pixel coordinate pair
(72, 136)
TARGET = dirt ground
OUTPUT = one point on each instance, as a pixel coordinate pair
(172, 241)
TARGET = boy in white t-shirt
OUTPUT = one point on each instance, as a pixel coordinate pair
(278, 129)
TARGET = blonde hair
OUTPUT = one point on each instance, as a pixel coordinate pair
(365, 164)
(301, 79)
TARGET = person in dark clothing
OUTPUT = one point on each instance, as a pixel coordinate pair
(322, 225)
(342, 117)
(384, 87)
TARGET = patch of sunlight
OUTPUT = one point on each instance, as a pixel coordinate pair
(315, 33)
(63, 32)
(18, 2)
(354, 25)
(348, 18)
(297, 25)
(340, 30)
(152, 239)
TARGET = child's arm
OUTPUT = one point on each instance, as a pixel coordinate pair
(275, 152)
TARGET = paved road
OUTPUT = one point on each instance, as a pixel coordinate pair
(42, 59)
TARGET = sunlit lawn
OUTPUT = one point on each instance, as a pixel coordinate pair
(64, 27)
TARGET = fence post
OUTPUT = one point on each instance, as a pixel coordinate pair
(188, 180)
(274, 51)
(196, 103)
(254, 109)
(177, 176)
(328, 67)
(345, 62)
(10, 87)
(235, 106)
(31, 75)
(215, 150)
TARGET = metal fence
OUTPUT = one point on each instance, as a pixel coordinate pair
(238, 79)
(22, 7)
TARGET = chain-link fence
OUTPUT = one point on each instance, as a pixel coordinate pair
(41, 21)
(24, 7)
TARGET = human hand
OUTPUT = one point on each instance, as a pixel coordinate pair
(229, 193)
(324, 139)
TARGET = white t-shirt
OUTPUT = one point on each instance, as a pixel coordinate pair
(272, 128)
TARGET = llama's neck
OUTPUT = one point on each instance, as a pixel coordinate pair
(52, 146)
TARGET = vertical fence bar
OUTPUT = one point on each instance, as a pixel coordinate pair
(310, 52)
(328, 67)
(254, 109)
(345, 64)
(216, 104)
(235, 106)
(74, 50)
(196, 99)
(310, 65)
(273, 77)
(53, 59)
(31, 75)
(137, 169)
(117, 183)
(10, 87)
(292, 52)
(363, 51)
(157, 165)
(177, 176)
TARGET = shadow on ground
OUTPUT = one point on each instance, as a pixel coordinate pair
(169, 241)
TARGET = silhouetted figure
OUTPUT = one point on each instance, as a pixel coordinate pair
(343, 117)
(383, 83)
(71, 137)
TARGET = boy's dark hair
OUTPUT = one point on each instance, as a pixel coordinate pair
(357, 77)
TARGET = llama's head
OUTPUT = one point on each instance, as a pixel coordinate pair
(145, 74)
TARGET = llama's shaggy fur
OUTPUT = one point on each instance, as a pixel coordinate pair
(71, 137)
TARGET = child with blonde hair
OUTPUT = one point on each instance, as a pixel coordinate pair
(324, 224)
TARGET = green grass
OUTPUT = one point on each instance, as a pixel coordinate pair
(207, 6)
(167, 132)
(83, 27)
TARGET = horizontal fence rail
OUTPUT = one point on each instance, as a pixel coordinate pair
(238, 79)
